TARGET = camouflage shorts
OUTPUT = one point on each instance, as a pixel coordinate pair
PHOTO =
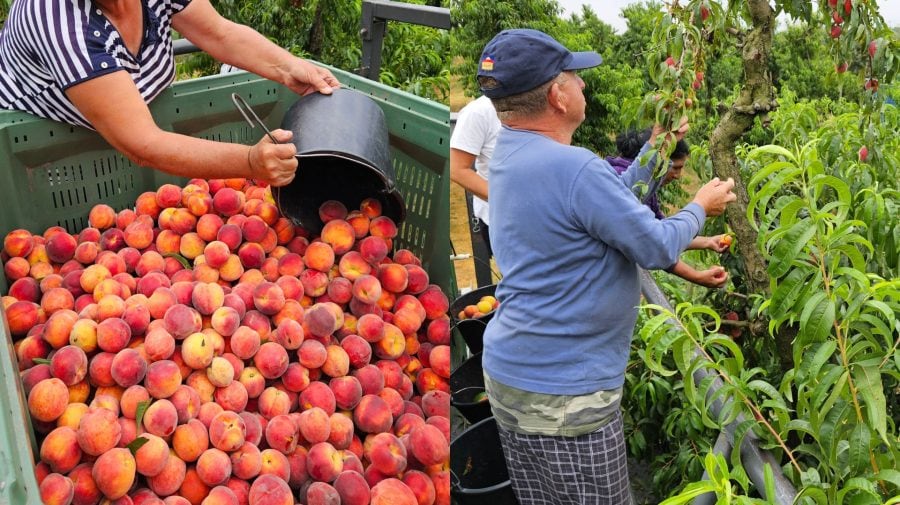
(552, 415)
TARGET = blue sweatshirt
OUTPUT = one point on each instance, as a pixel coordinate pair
(568, 236)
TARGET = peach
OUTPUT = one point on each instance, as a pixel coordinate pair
(273, 402)
(372, 415)
(160, 302)
(366, 289)
(352, 265)
(407, 320)
(392, 345)
(61, 247)
(359, 352)
(228, 202)
(213, 467)
(373, 249)
(370, 327)
(347, 392)
(436, 403)
(314, 282)
(110, 306)
(227, 431)
(86, 252)
(17, 268)
(435, 302)
(341, 431)
(48, 399)
(183, 223)
(152, 456)
(281, 434)
(170, 478)
(85, 492)
(100, 370)
(337, 362)
(168, 195)
(113, 334)
(60, 449)
(159, 345)
(125, 217)
(299, 243)
(275, 463)
(289, 335)
(418, 279)
(69, 364)
(386, 453)
(321, 492)
(371, 379)
(407, 421)
(382, 226)
(312, 354)
(232, 397)
(199, 204)
(271, 360)
(254, 383)
(295, 378)
(245, 342)
(182, 321)
(246, 461)
(190, 440)
(131, 398)
(427, 380)
(254, 229)
(254, 423)
(162, 379)
(319, 256)
(339, 234)
(291, 264)
(207, 297)
(191, 245)
(137, 317)
(193, 487)
(359, 222)
(323, 462)
(314, 425)
(112, 239)
(292, 310)
(151, 281)
(57, 489)
(107, 398)
(340, 290)
(72, 415)
(370, 207)
(429, 445)
(270, 490)
(220, 372)
(128, 368)
(235, 302)
(79, 392)
(139, 234)
(352, 488)
(33, 375)
(421, 485)
(161, 418)
(19, 243)
(268, 298)
(252, 255)
(26, 289)
(393, 277)
(56, 299)
(321, 320)
(168, 242)
(22, 316)
(209, 227)
(439, 358)
(230, 235)
(318, 394)
(330, 210)
(259, 322)
(187, 403)
(41, 269)
(199, 382)
(221, 495)
(114, 472)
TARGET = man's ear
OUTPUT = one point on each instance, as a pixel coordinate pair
(557, 99)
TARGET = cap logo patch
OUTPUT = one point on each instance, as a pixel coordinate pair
(487, 64)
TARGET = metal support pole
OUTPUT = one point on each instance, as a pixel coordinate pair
(184, 46)
(376, 14)
(753, 457)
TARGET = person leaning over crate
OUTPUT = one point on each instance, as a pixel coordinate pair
(473, 141)
(97, 63)
(629, 144)
(569, 235)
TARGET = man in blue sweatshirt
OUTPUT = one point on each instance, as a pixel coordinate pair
(569, 236)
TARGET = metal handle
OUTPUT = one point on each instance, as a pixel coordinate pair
(244, 108)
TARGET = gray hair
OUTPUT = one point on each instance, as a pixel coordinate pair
(531, 102)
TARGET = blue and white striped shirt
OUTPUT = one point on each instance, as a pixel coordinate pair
(47, 46)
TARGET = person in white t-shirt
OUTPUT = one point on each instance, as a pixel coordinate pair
(473, 141)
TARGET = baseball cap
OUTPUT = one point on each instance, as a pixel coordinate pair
(523, 59)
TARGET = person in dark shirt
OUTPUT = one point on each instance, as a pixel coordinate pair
(629, 145)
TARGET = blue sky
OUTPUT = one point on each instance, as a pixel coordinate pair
(609, 10)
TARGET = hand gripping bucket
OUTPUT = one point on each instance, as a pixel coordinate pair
(478, 473)
(343, 153)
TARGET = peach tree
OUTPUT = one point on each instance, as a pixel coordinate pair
(818, 234)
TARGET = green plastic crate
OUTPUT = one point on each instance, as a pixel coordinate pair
(53, 174)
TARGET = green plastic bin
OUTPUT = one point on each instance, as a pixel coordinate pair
(53, 174)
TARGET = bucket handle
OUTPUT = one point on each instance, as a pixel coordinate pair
(244, 108)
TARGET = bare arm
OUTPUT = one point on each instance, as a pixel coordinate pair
(713, 277)
(245, 48)
(112, 104)
(713, 243)
(461, 173)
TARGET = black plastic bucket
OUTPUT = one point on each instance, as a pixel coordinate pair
(472, 330)
(344, 154)
(467, 382)
(478, 474)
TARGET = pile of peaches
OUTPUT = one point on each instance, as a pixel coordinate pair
(202, 349)
(486, 304)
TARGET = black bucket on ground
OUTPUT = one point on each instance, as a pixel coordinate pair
(466, 384)
(478, 474)
(343, 153)
(472, 330)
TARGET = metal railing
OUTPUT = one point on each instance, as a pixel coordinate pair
(375, 17)
(753, 458)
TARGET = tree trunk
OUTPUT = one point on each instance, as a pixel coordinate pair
(757, 98)
(317, 36)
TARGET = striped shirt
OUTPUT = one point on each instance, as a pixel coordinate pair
(46, 46)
